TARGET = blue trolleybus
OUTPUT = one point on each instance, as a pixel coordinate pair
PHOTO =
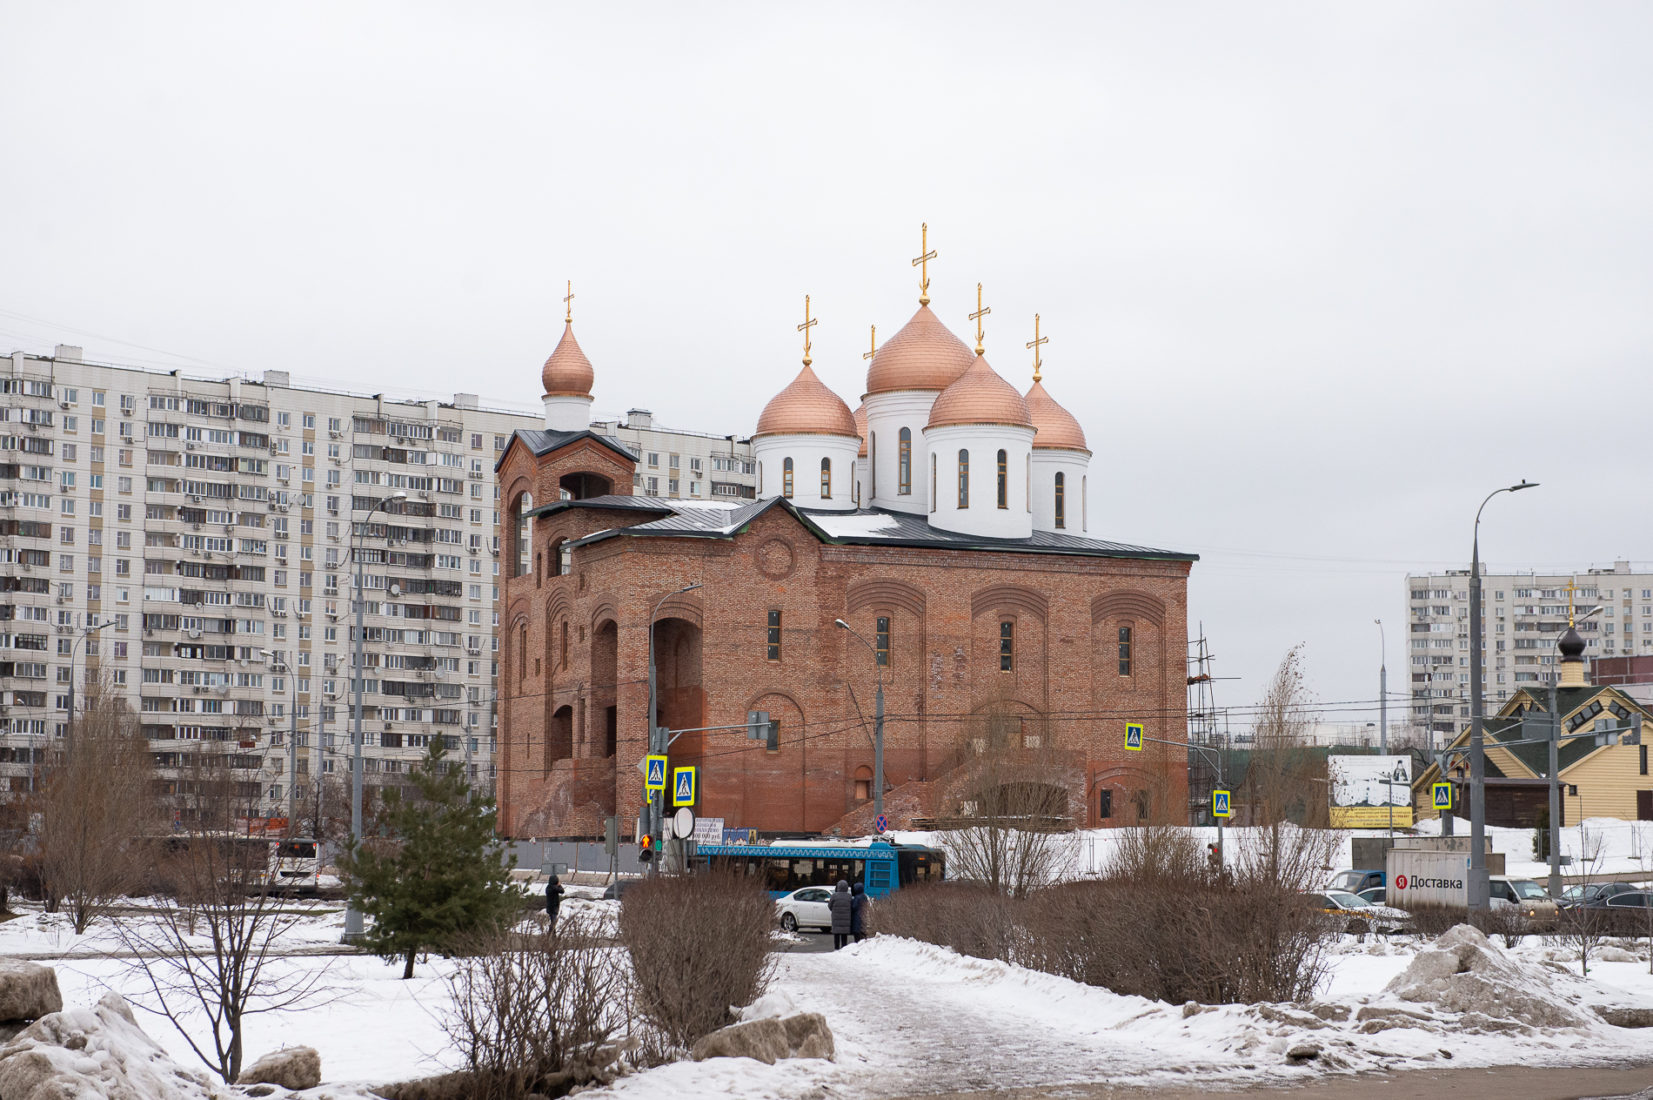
(788, 865)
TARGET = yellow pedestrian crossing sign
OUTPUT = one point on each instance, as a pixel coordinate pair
(654, 776)
(1443, 796)
(1220, 805)
(683, 782)
(1133, 736)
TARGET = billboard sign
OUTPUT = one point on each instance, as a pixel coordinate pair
(1367, 792)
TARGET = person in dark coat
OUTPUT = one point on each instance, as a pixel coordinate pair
(841, 906)
(553, 898)
(858, 912)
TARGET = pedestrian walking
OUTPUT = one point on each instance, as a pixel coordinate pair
(841, 906)
(858, 912)
(553, 899)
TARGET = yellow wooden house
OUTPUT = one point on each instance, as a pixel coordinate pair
(1596, 780)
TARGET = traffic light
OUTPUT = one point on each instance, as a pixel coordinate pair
(1214, 854)
(645, 855)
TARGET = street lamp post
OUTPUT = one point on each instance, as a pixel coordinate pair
(292, 743)
(658, 743)
(1478, 883)
(352, 915)
(74, 651)
(1383, 719)
(878, 724)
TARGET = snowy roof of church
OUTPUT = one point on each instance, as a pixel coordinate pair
(542, 441)
(720, 519)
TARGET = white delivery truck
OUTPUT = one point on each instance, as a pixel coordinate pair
(1421, 879)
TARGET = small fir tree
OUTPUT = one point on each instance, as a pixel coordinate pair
(440, 874)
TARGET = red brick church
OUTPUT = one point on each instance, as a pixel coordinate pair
(945, 521)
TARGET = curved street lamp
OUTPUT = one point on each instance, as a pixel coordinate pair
(1478, 883)
(352, 915)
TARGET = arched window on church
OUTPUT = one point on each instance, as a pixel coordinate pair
(964, 478)
(932, 483)
(826, 479)
(522, 652)
(1061, 500)
(524, 536)
(786, 478)
(872, 465)
(906, 464)
(1084, 504)
(1004, 480)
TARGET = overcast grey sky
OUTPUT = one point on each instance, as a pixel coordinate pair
(1316, 277)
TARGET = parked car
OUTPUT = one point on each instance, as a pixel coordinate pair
(806, 908)
(1373, 895)
(616, 890)
(1361, 915)
(1356, 881)
(1585, 893)
(1532, 899)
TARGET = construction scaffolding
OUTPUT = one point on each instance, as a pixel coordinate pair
(1207, 728)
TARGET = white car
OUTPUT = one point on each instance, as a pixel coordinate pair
(806, 908)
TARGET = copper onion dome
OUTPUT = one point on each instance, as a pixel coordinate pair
(924, 355)
(980, 396)
(568, 372)
(1057, 429)
(806, 407)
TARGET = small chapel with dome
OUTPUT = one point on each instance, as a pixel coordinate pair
(935, 542)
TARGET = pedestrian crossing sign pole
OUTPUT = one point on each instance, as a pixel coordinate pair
(1220, 804)
(1443, 796)
(1133, 736)
(683, 786)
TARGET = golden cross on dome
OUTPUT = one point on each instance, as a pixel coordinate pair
(926, 254)
(1034, 344)
(805, 327)
(981, 311)
(1570, 604)
(873, 350)
(569, 302)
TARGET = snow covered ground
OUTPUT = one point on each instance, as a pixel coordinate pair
(910, 1018)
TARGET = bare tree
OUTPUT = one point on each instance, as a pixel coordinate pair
(1581, 925)
(212, 946)
(1285, 784)
(96, 804)
(1013, 814)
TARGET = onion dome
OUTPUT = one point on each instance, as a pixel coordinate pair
(924, 355)
(568, 372)
(1056, 428)
(861, 428)
(806, 407)
(979, 396)
(1571, 646)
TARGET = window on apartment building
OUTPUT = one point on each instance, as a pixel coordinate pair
(1124, 651)
(774, 641)
(654, 459)
(905, 463)
(1007, 646)
(881, 640)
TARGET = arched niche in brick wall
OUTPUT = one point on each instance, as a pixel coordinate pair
(1022, 646)
(604, 723)
(1143, 651)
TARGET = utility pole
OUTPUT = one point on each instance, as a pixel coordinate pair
(659, 739)
(1478, 882)
(292, 743)
(877, 721)
(1383, 721)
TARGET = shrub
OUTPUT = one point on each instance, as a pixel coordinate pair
(699, 944)
(969, 918)
(536, 1013)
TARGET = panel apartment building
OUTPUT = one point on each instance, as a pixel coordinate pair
(209, 523)
(1522, 616)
